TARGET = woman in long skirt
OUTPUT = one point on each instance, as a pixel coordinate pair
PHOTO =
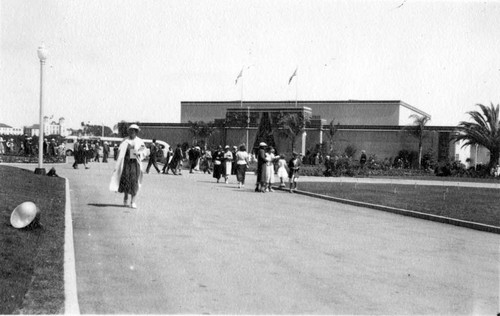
(228, 163)
(241, 165)
(217, 158)
(127, 176)
(269, 176)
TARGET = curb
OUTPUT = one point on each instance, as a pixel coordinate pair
(399, 211)
(71, 306)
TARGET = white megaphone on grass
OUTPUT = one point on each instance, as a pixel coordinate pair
(25, 214)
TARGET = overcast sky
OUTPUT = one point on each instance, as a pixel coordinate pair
(136, 60)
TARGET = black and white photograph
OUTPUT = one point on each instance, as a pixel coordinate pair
(259, 157)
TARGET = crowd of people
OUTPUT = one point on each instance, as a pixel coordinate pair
(28, 147)
(221, 162)
(86, 151)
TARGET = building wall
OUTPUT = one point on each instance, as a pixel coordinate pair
(11, 131)
(344, 112)
(384, 143)
(357, 113)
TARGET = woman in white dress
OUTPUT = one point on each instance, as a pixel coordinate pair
(228, 162)
(270, 159)
(282, 172)
(127, 176)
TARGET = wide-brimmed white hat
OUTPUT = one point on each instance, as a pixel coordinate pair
(24, 214)
(134, 126)
(262, 144)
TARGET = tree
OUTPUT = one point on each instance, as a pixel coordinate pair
(293, 124)
(265, 132)
(484, 131)
(332, 130)
(417, 130)
(201, 130)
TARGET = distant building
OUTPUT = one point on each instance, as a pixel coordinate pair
(9, 130)
(376, 126)
(52, 128)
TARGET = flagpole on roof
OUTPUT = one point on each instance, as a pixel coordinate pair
(296, 88)
(240, 75)
(296, 84)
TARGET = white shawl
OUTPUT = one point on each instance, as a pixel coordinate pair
(139, 148)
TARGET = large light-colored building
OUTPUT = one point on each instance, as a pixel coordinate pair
(9, 130)
(377, 126)
(349, 112)
(49, 128)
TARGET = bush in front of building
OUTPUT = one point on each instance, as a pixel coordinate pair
(8, 158)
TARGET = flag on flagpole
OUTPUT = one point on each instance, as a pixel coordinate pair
(293, 75)
(239, 76)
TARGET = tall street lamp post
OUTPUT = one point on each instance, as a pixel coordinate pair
(42, 55)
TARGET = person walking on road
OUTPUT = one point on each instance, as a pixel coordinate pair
(218, 157)
(175, 164)
(78, 154)
(282, 172)
(105, 152)
(228, 163)
(241, 158)
(115, 152)
(194, 154)
(260, 186)
(127, 176)
(294, 167)
(153, 151)
(168, 159)
(270, 160)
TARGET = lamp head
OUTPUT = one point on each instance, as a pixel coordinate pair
(42, 52)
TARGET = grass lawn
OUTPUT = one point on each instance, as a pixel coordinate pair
(471, 204)
(445, 179)
(32, 260)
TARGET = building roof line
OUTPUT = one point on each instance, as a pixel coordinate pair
(299, 101)
(306, 102)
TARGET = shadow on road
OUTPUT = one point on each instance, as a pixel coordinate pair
(105, 205)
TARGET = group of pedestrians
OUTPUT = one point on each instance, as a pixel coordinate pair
(86, 152)
(127, 175)
(27, 147)
(266, 160)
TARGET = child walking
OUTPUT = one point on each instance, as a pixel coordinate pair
(282, 170)
(294, 167)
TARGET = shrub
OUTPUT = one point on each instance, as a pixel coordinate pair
(350, 150)
(31, 159)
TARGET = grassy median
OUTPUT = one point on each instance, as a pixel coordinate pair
(32, 260)
(478, 205)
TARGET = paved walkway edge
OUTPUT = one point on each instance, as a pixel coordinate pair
(71, 306)
(435, 218)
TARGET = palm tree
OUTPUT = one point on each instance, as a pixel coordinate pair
(293, 124)
(202, 131)
(417, 129)
(332, 130)
(483, 131)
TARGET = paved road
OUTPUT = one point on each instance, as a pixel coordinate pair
(197, 247)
